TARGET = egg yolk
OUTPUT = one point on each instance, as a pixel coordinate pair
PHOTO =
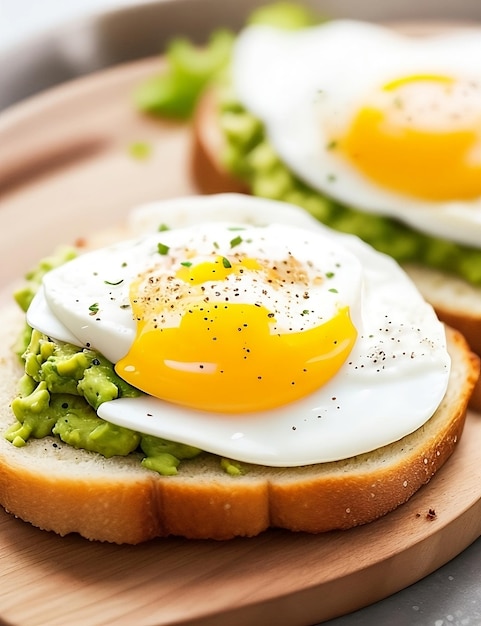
(224, 356)
(420, 136)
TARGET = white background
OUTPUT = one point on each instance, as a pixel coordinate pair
(22, 19)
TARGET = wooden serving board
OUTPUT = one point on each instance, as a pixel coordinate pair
(65, 171)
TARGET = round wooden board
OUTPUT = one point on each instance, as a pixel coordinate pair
(65, 171)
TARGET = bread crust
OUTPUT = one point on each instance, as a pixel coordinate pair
(57, 488)
(208, 144)
(457, 303)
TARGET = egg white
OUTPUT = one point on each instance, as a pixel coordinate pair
(89, 297)
(390, 385)
(322, 75)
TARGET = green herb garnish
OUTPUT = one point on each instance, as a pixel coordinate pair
(162, 248)
(140, 150)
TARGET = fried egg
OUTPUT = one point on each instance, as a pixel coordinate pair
(385, 123)
(253, 331)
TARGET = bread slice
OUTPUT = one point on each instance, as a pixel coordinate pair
(57, 488)
(456, 302)
(208, 145)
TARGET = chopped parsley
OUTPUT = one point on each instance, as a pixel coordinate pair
(108, 282)
(162, 248)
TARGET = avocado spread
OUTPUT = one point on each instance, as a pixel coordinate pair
(249, 155)
(63, 386)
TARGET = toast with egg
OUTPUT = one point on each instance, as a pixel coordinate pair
(58, 488)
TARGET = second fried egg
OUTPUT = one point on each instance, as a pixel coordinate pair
(384, 123)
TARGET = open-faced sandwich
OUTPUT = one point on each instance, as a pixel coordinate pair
(374, 131)
(228, 366)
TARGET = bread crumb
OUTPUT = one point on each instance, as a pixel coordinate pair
(431, 514)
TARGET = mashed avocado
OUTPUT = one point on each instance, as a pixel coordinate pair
(174, 92)
(68, 369)
(62, 387)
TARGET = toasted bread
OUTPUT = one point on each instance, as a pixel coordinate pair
(58, 488)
